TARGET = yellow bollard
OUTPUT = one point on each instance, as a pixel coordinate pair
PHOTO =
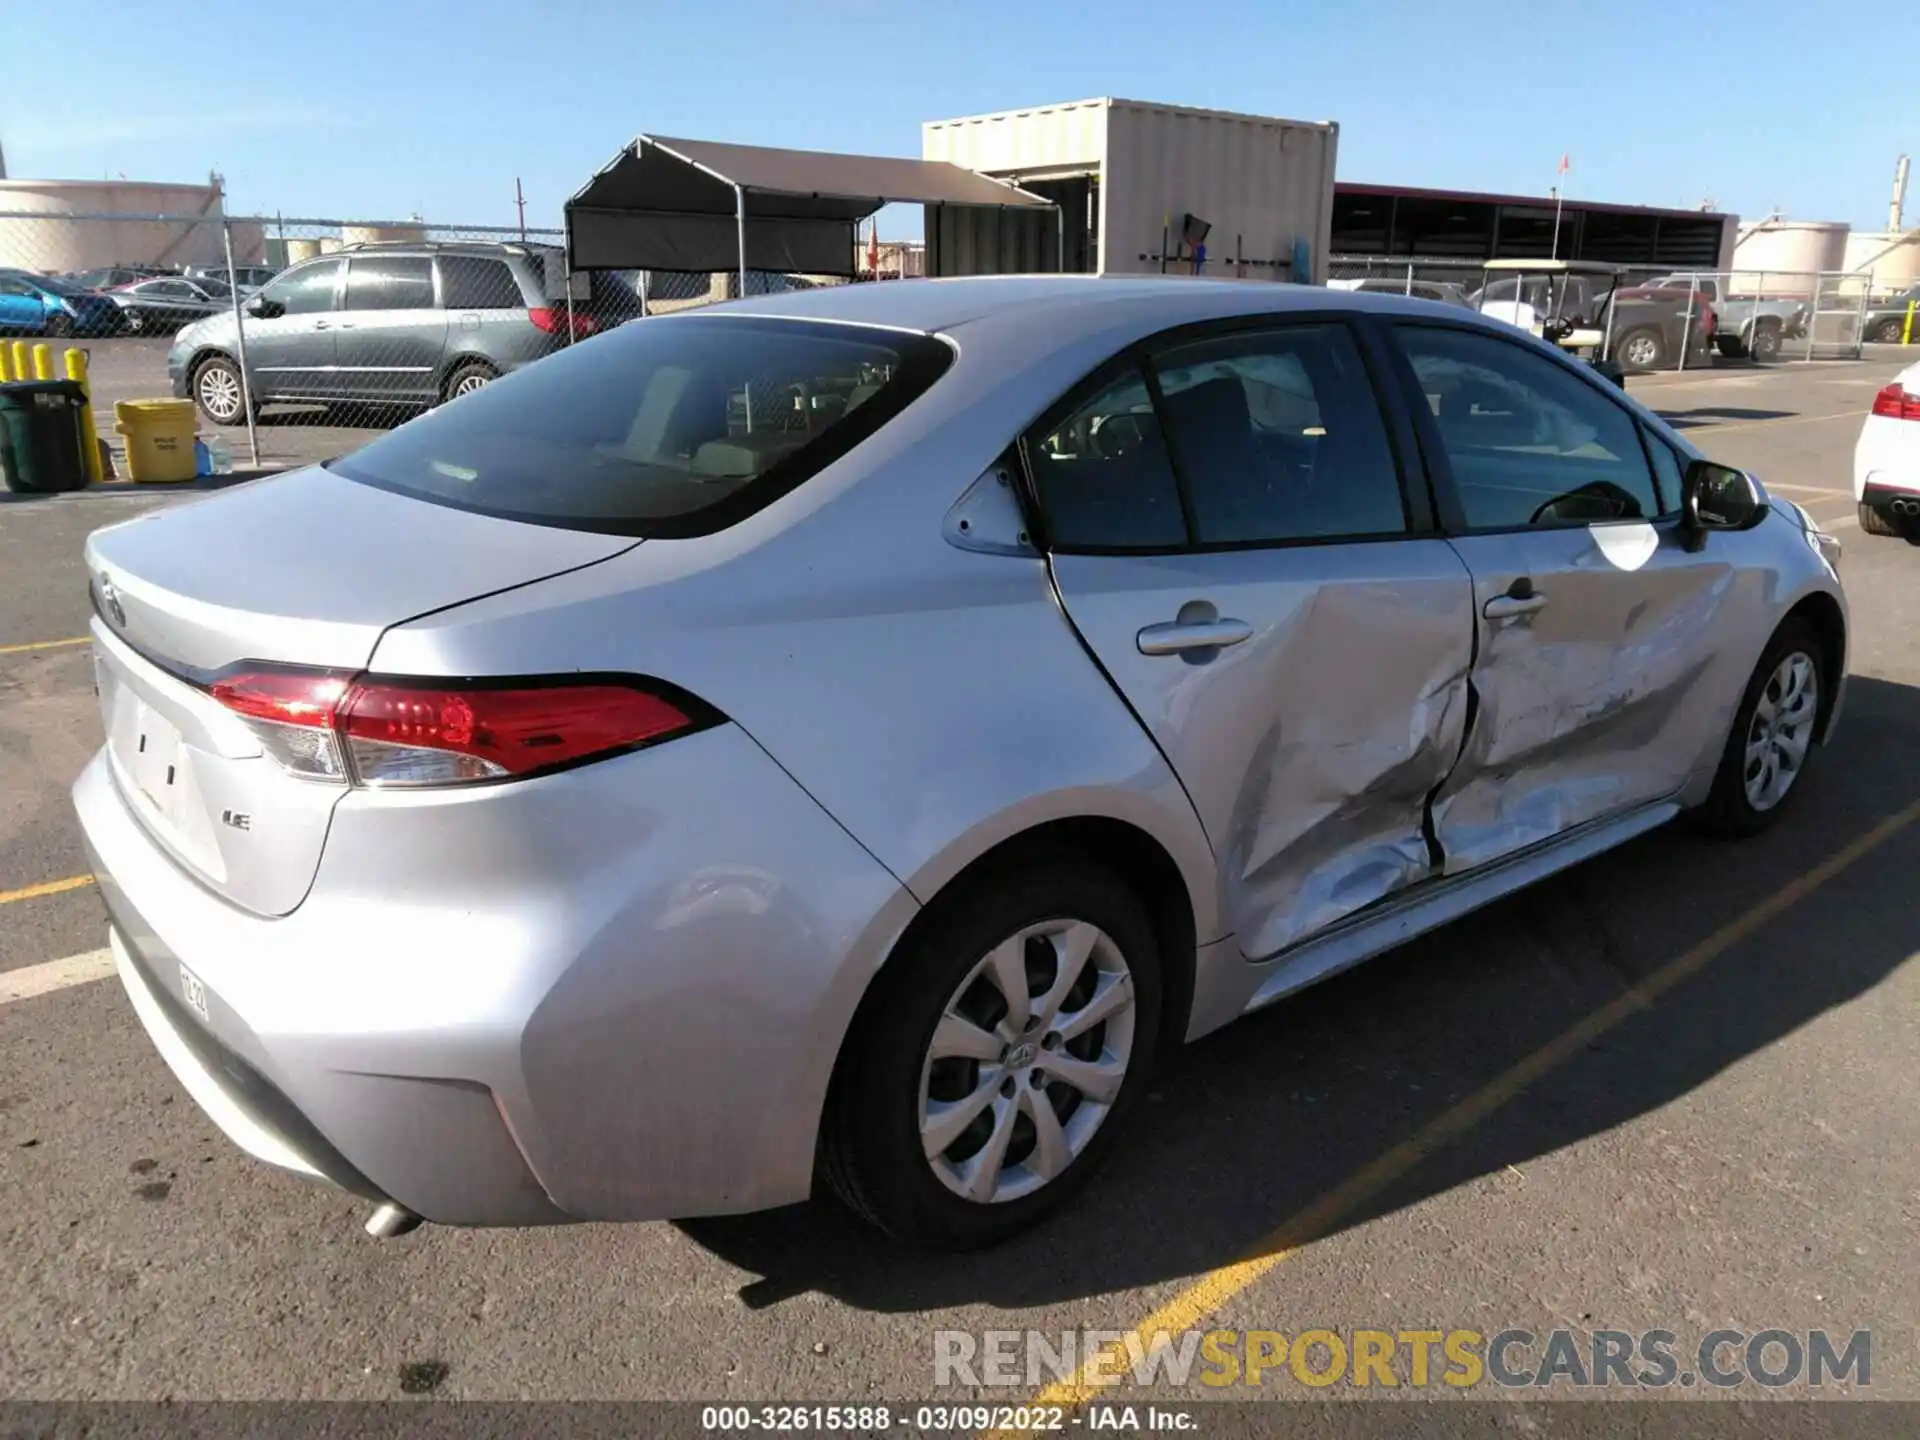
(76, 361)
(43, 361)
(22, 360)
(1906, 330)
(6, 364)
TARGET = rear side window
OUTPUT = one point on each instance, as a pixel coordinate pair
(474, 283)
(1102, 474)
(1279, 437)
(390, 282)
(674, 426)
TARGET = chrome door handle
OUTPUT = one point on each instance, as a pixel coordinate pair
(1506, 607)
(1178, 635)
(319, 324)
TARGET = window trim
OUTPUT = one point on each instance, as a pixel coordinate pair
(1452, 513)
(1139, 356)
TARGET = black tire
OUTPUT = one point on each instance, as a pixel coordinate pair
(59, 326)
(469, 376)
(135, 322)
(1731, 346)
(1766, 344)
(1874, 523)
(1644, 348)
(1888, 332)
(1728, 811)
(219, 376)
(871, 1151)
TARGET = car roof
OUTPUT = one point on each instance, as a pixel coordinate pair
(1072, 301)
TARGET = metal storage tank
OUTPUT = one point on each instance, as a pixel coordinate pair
(1127, 172)
(1890, 257)
(54, 245)
(303, 249)
(1787, 247)
(382, 234)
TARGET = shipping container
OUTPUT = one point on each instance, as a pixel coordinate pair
(1142, 189)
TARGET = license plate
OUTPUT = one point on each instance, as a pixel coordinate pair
(194, 991)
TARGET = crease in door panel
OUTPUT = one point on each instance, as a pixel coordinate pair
(1436, 854)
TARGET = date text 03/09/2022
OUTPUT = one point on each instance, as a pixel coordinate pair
(963, 1419)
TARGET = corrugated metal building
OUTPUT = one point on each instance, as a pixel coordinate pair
(1127, 174)
(1463, 225)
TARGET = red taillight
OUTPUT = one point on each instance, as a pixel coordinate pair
(401, 734)
(1896, 402)
(390, 732)
(555, 321)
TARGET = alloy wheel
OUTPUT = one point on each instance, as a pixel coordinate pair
(1781, 731)
(470, 382)
(1027, 1060)
(1642, 351)
(220, 393)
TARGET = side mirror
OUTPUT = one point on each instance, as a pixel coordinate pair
(262, 309)
(1718, 497)
(1610, 370)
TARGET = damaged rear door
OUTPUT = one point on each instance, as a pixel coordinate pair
(1601, 674)
(1234, 540)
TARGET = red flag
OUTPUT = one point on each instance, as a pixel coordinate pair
(1565, 164)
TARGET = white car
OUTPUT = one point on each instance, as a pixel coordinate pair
(1886, 462)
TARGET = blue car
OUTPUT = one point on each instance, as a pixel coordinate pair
(45, 305)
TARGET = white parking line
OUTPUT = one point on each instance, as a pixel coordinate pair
(32, 980)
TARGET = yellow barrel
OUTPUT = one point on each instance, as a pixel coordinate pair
(160, 437)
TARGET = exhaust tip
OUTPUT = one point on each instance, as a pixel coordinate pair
(391, 1221)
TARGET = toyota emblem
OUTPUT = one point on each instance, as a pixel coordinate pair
(110, 598)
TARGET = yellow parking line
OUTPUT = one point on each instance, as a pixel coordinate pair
(43, 645)
(45, 887)
(1211, 1291)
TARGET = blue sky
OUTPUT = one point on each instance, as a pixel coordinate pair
(385, 108)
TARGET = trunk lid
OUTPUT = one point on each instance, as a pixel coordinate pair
(307, 569)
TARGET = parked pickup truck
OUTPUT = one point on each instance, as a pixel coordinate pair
(1575, 304)
(1747, 325)
(1886, 320)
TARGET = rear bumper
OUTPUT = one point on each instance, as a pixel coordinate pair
(523, 1017)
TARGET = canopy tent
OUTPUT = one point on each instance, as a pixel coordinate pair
(667, 204)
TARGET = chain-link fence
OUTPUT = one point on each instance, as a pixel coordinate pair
(1657, 319)
(299, 339)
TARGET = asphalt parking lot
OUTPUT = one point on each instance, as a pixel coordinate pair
(1669, 1089)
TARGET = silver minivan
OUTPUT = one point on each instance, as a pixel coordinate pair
(380, 326)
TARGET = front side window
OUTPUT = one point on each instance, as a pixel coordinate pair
(680, 426)
(306, 291)
(1102, 474)
(390, 282)
(1528, 442)
(1279, 437)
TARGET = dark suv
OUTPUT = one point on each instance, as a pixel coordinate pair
(391, 325)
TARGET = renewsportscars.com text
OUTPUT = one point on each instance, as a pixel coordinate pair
(1416, 1359)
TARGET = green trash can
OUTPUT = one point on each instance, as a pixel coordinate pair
(42, 441)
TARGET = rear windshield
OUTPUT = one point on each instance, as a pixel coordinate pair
(664, 427)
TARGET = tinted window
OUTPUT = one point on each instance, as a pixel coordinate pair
(390, 282)
(677, 426)
(11, 286)
(306, 290)
(172, 289)
(1103, 477)
(1279, 437)
(472, 283)
(1528, 442)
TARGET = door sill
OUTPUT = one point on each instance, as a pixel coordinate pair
(1439, 901)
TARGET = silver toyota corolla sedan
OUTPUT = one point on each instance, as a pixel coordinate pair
(846, 738)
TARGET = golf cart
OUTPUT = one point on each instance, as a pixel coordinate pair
(1569, 303)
